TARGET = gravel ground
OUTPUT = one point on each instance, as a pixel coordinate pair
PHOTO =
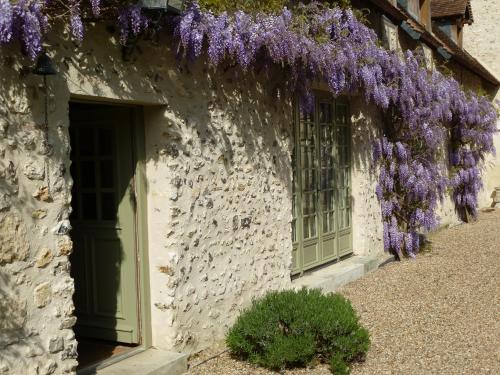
(438, 314)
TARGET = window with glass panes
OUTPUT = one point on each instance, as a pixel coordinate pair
(412, 6)
(321, 226)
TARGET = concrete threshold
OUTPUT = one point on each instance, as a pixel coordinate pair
(148, 362)
(333, 277)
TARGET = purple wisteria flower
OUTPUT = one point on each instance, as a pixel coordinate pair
(96, 7)
(425, 111)
(6, 13)
(132, 21)
(28, 24)
(76, 24)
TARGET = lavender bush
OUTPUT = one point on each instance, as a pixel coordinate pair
(425, 110)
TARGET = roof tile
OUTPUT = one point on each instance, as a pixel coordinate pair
(447, 8)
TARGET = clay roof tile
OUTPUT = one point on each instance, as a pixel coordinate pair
(449, 8)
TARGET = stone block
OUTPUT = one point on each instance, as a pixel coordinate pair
(4, 202)
(44, 257)
(56, 344)
(49, 368)
(39, 214)
(34, 170)
(67, 323)
(13, 245)
(42, 194)
(42, 295)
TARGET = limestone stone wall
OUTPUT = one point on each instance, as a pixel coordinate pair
(219, 199)
(481, 40)
(367, 226)
(218, 169)
(35, 287)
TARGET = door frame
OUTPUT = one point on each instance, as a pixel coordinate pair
(297, 195)
(138, 147)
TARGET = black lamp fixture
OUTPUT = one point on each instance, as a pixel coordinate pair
(174, 6)
(44, 66)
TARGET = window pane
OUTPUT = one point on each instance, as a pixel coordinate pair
(325, 112)
(107, 174)
(86, 141)
(312, 222)
(89, 206)
(105, 142)
(87, 174)
(332, 220)
(305, 227)
(306, 116)
(108, 206)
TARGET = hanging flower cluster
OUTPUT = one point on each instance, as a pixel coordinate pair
(24, 21)
(334, 47)
(470, 141)
(27, 21)
(427, 113)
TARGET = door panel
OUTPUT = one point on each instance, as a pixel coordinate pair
(103, 221)
(321, 226)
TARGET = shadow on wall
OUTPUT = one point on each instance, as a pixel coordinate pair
(33, 189)
(35, 176)
(207, 111)
(13, 326)
(214, 125)
(366, 122)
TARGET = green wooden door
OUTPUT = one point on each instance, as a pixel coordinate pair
(321, 227)
(104, 258)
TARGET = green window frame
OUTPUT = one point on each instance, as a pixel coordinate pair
(321, 194)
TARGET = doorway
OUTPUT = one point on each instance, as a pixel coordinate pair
(322, 208)
(104, 262)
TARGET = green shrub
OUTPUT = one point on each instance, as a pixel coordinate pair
(338, 366)
(291, 329)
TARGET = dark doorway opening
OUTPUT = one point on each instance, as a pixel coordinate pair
(103, 219)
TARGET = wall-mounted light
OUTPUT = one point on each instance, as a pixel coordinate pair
(44, 67)
(174, 6)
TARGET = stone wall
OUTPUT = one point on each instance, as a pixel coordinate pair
(219, 176)
(481, 40)
(35, 287)
(218, 150)
(218, 170)
(367, 225)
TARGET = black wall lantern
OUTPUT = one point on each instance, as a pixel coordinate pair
(44, 67)
(174, 6)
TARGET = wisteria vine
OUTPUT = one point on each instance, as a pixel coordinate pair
(429, 118)
(27, 21)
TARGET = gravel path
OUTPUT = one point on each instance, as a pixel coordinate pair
(439, 314)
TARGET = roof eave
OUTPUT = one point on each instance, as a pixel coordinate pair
(431, 39)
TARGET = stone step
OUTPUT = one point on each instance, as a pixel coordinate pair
(149, 362)
(333, 277)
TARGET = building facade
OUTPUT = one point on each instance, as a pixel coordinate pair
(487, 52)
(146, 202)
